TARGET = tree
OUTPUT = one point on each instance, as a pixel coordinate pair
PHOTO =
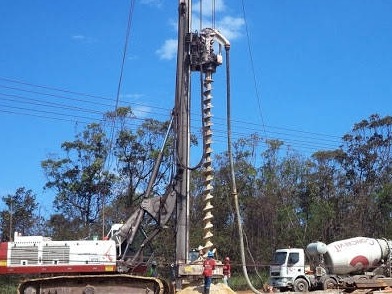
(55, 227)
(135, 153)
(325, 189)
(80, 180)
(225, 225)
(367, 165)
(21, 214)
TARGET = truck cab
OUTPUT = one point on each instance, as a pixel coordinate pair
(287, 270)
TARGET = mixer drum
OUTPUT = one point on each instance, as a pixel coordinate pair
(355, 255)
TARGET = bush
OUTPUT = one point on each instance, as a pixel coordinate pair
(9, 284)
(238, 282)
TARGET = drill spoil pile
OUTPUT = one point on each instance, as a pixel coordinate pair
(215, 289)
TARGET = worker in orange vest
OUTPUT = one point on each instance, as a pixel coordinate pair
(209, 266)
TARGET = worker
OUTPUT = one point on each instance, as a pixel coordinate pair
(201, 253)
(226, 270)
(152, 272)
(209, 266)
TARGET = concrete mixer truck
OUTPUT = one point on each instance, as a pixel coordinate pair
(342, 264)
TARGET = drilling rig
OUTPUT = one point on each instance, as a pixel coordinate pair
(109, 265)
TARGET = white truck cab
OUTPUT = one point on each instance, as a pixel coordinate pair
(287, 270)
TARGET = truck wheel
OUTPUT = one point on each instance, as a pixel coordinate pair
(329, 283)
(301, 285)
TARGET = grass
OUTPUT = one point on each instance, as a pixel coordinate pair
(238, 282)
(8, 284)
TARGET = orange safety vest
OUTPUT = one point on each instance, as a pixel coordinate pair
(209, 266)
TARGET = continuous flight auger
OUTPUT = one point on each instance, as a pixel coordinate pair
(204, 59)
(208, 171)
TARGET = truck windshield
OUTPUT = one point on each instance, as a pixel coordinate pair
(279, 258)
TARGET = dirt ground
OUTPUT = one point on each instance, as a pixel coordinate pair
(313, 292)
(215, 289)
(223, 289)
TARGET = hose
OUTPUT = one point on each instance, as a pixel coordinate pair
(232, 172)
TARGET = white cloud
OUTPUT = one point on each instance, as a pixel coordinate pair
(207, 7)
(141, 111)
(78, 37)
(135, 96)
(228, 25)
(82, 39)
(168, 50)
(231, 27)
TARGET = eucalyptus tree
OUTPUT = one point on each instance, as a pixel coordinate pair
(326, 192)
(82, 185)
(20, 214)
(136, 146)
(367, 165)
(382, 224)
(349, 188)
(284, 183)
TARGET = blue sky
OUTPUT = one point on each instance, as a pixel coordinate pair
(302, 71)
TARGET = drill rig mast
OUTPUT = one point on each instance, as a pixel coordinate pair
(195, 54)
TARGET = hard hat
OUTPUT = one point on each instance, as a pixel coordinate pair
(227, 258)
(210, 254)
(153, 262)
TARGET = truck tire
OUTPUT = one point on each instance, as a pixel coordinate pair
(329, 283)
(301, 285)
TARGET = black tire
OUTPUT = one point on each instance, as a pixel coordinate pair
(301, 285)
(329, 283)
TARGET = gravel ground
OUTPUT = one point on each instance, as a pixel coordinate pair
(223, 289)
(215, 289)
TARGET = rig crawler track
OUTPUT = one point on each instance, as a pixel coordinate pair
(95, 284)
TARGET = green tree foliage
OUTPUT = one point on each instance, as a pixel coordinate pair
(285, 199)
(383, 210)
(135, 153)
(326, 188)
(20, 215)
(280, 197)
(81, 183)
(367, 165)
